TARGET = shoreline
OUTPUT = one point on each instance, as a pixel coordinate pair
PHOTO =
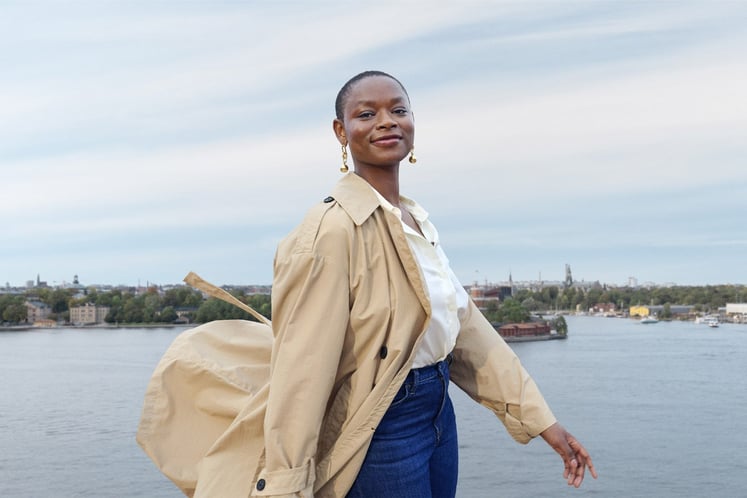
(23, 328)
(540, 337)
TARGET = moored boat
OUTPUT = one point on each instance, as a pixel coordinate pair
(533, 331)
(710, 320)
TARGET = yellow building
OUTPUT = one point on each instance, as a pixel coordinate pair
(657, 310)
(639, 311)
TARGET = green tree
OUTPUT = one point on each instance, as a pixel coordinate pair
(511, 311)
(182, 297)
(59, 300)
(262, 303)
(577, 299)
(530, 304)
(216, 309)
(151, 307)
(666, 312)
(101, 299)
(13, 308)
(560, 325)
(492, 307)
(592, 297)
(662, 295)
(132, 311)
(167, 315)
(550, 296)
(15, 313)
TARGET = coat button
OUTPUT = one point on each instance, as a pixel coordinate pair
(383, 352)
(260, 485)
(327, 200)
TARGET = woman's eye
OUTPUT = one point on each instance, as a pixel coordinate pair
(366, 114)
(400, 111)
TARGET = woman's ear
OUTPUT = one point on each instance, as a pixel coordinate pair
(339, 129)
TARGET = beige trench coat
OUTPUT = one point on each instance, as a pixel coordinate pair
(349, 308)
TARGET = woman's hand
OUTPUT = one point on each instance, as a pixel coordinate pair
(574, 455)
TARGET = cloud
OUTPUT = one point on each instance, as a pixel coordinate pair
(123, 70)
(126, 125)
(648, 128)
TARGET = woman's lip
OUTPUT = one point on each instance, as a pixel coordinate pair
(390, 140)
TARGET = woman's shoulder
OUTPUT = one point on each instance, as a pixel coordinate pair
(323, 221)
(327, 216)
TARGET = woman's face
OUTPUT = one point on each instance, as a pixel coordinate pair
(377, 123)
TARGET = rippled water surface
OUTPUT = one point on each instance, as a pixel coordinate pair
(661, 407)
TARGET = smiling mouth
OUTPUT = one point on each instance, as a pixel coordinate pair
(389, 139)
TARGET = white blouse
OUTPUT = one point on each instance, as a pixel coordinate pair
(448, 298)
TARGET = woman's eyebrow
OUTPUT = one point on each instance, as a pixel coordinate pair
(395, 100)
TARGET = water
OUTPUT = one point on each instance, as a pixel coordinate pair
(661, 407)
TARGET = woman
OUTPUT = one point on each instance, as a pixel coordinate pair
(370, 324)
(346, 394)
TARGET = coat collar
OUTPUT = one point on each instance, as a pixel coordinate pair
(356, 197)
(359, 200)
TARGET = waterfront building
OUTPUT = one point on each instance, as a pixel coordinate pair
(606, 309)
(88, 314)
(36, 311)
(675, 309)
(484, 295)
(737, 312)
(45, 324)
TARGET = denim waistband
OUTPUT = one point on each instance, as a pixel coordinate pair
(423, 374)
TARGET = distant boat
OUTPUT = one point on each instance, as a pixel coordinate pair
(649, 319)
(710, 320)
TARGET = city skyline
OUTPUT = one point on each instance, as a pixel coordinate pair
(631, 282)
(143, 141)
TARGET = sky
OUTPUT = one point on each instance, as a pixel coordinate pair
(143, 140)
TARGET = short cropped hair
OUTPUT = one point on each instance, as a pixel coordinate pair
(342, 95)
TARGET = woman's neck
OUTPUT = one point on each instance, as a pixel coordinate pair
(385, 181)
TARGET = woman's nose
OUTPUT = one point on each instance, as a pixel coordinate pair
(386, 121)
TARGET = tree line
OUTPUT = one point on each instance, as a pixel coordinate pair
(153, 306)
(131, 307)
(703, 298)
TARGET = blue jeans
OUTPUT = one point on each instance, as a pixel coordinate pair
(414, 451)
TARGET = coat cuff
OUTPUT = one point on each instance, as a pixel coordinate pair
(297, 482)
(523, 430)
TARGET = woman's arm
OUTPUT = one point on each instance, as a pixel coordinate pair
(310, 303)
(487, 369)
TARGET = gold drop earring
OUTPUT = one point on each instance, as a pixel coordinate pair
(412, 158)
(344, 168)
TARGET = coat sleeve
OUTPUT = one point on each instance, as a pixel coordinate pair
(310, 311)
(488, 370)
